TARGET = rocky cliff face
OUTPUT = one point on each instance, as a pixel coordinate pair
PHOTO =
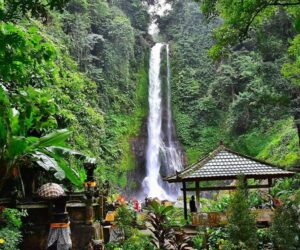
(138, 147)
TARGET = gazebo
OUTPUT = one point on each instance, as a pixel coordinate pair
(225, 164)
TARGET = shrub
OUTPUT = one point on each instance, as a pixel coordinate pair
(163, 235)
(286, 227)
(264, 238)
(242, 224)
(137, 241)
(10, 228)
(126, 220)
(198, 241)
(217, 237)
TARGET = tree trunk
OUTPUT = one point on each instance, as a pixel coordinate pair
(298, 131)
(295, 110)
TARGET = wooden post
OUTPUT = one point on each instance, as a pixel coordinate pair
(206, 236)
(245, 180)
(198, 196)
(270, 182)
(184, 200)
(270, 185)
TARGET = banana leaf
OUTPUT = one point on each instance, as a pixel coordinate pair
(48, 163)
(66, 151)
(56, 138)
(60, 166)
(76, 177)
(17, 147)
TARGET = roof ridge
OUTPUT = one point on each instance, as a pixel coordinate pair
(203, 160)
(230, 163)
(184, 171)
(254, 159)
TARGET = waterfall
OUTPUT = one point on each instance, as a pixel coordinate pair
(173, 156)
(169, 113)
(163, 154)
(152, 182)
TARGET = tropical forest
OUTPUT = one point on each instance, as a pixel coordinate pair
(150, 124)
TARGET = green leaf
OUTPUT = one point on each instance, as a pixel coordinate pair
(48, 163)
(17, 147)
(71, 174)
(56, 138)
(167, 209)
(66, 151)
(297, 24)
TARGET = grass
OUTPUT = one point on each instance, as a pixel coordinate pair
(277, 145)
(282, 147)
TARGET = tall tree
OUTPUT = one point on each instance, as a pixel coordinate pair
(241, 19)
(17, 9)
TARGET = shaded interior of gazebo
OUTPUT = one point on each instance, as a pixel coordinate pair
(225, 164)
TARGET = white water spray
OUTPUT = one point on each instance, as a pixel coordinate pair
(161, 147)
(173, 157)
(153, 178)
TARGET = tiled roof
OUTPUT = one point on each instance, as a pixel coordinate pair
(224, 163)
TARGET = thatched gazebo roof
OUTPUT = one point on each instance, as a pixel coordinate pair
(225, 164)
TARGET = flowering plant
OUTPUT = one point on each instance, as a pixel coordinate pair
(10, 228)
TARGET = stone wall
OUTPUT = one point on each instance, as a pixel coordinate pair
(83, 229)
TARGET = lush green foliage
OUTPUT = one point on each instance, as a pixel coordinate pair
(285, 228)
(163, 234)
(161, 230)
(264, 237)
(10, 228)
(126, 221)
(31, 71)
(267, 27)
(12, 9)
(108, 42)
(243, 99)
(217, 237)
(241, 223)
(198, 241)
(241, 17)
(43, 90)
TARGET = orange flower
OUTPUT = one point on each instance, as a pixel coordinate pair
(119, 197)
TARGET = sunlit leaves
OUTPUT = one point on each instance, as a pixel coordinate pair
(17, 9)
(25, 57)
(239, 18)
(242, 224)
(291, 70)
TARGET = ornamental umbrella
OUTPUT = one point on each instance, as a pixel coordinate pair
(51, 191)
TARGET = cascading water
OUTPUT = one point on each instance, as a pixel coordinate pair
(152, 182)
(173, 157)
(162, 151)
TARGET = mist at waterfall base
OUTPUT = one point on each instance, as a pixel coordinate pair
(162, 152)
